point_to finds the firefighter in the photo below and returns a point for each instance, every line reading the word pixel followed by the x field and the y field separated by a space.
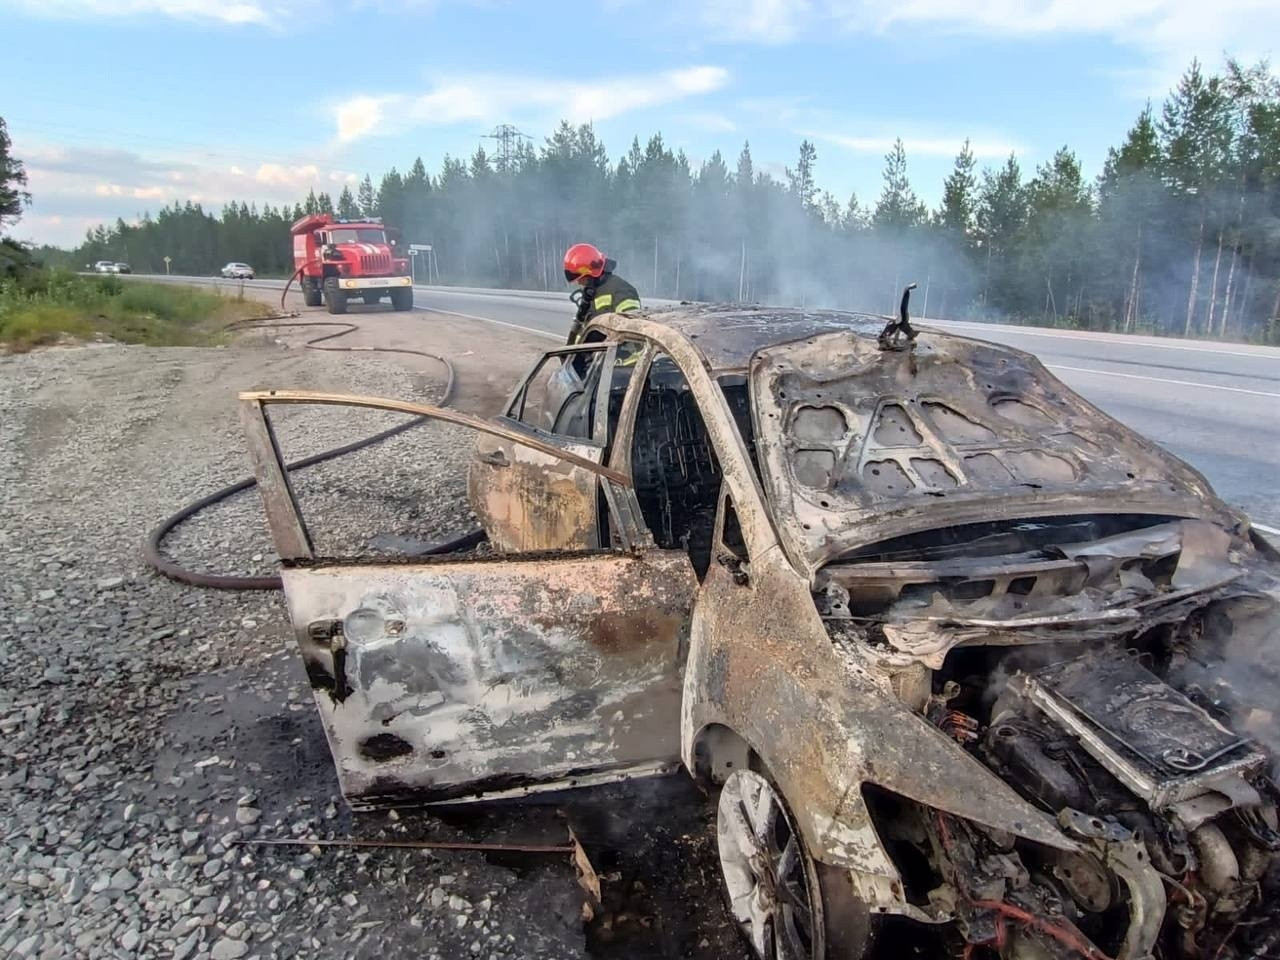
pixel 602 290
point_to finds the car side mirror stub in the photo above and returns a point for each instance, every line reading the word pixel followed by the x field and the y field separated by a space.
pixel 738 568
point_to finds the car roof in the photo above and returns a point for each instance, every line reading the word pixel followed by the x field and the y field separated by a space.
pixel 727 335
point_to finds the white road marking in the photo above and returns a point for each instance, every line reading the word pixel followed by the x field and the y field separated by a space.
pixel 1119 339
pixel 502 323
pixel 1265 529
pixel 1180 383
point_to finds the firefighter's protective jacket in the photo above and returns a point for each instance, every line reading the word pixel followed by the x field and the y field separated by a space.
pixel 613 295
pixel 609 294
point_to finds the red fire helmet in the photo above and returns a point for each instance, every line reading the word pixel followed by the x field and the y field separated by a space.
pixel 582 260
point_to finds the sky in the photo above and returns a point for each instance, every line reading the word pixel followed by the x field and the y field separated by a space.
pixel 120 107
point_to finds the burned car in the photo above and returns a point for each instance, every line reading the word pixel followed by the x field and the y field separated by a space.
pixel 947 643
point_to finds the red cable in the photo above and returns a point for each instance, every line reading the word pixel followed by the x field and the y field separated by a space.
pixel 1065 936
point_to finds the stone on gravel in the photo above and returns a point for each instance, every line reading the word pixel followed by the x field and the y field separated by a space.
pixel 228 949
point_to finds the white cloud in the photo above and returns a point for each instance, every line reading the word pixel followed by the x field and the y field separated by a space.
pixel 928 146
pixel 1168 29
pixel 223 11
pixel 1168 32
pixel 761 21
pixel 77 186
pixel 490 98
pixel 357 116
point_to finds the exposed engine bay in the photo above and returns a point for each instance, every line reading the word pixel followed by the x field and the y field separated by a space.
pixel 1115 671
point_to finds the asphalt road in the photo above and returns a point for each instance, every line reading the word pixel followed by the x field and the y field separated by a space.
pixel 1216 405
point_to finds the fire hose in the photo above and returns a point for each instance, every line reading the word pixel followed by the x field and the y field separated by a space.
pixel 153 549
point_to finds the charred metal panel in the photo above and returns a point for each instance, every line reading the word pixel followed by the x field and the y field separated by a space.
pixel 858 444
pixel 465 676
pixel 1087 591
pixel 824 723
pixel 530 501
pixel 1155 740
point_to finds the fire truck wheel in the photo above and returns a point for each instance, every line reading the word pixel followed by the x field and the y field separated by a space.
pixel 311 295
pixel 402 298
pixel 334 298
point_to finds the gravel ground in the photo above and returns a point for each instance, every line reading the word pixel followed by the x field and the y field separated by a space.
pixel 149 726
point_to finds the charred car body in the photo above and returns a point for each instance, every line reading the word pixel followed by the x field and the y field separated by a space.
pixel 953 645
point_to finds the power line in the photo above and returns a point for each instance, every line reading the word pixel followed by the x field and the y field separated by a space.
pixel 508 138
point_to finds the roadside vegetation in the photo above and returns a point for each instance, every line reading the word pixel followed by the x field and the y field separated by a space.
pixel 39 307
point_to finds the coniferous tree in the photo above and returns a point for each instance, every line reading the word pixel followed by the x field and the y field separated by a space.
pixel 347 208
pixel 898 206
pixel 366 198
pixel 13 181
pixel 959 196
pixel 801 180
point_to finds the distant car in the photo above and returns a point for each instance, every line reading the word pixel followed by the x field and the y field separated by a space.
pixel 238 271
pixel 104 266
pixel 122 268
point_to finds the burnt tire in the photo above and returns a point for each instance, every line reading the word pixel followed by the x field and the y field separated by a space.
pixel 335 298
pixel 402 298
pixel 311 294
pixel 785 903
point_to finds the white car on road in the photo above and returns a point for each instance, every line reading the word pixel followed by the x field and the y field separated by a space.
pixel 104 266
pixel 238 271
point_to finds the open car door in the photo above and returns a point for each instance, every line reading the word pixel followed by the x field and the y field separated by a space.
pixel 462 677
pixel 528 499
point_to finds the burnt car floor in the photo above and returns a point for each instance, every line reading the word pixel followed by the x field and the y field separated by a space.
pixel 940 635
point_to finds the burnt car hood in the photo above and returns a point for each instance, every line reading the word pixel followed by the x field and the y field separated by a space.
pixel 858 444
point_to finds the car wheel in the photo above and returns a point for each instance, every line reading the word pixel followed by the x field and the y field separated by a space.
pixel 311 293
pixel 788 906
pixel 335 298
pixel 401 298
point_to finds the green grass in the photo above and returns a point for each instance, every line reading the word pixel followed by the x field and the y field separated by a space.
pixel 45 306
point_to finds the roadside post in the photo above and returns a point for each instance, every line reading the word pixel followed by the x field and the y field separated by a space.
pixel 414 250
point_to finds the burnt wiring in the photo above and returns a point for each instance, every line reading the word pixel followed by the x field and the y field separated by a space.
pixel 153 549
pixel 1063 932
pixel 1060 932
pixel 960 726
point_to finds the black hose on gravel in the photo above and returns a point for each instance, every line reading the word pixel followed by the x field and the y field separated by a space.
pixel 152 551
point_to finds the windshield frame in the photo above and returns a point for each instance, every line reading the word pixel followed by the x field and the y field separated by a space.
pixel 378 235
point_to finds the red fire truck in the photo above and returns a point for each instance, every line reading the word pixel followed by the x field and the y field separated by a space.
pixel 340 259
